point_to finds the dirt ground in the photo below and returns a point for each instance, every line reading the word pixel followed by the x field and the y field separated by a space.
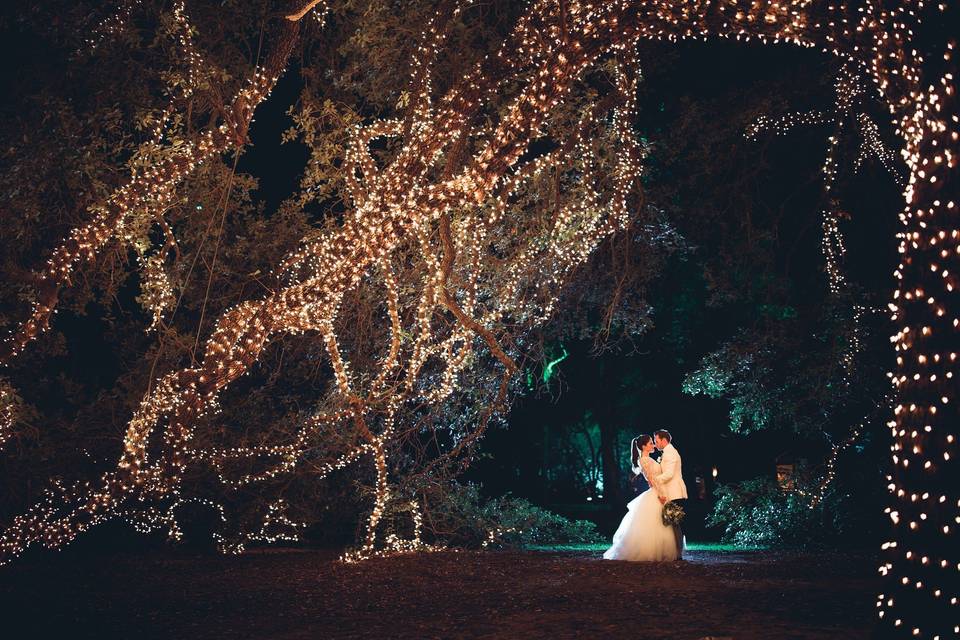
pixel 306 594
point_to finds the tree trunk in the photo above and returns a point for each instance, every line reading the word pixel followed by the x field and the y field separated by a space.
pixel 609 430
pixel 611 468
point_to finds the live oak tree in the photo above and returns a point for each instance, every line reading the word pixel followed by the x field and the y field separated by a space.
pixel 440 235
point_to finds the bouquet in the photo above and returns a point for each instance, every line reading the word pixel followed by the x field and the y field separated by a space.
pixel 672 514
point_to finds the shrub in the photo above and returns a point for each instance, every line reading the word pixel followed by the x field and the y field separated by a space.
pixel 758 512
pixel 465 518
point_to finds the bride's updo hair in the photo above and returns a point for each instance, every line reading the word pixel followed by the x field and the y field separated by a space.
pixel 636 448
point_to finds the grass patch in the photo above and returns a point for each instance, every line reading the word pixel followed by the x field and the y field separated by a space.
pixel 603 546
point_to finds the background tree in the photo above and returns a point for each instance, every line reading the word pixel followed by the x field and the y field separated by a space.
pixel 740 312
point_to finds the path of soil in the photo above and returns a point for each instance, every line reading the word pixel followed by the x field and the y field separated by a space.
pixel 296 594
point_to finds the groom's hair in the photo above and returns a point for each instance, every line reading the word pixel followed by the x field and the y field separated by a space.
pixel 662 433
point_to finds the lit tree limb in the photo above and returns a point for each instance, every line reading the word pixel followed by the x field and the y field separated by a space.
pixel 297 15
pixel 154 184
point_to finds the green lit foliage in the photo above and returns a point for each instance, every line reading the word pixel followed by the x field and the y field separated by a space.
pixel 735 375
pixel 466 518
pixel 758 513
pixel 549 368
pixel 796 375
pixel 570 452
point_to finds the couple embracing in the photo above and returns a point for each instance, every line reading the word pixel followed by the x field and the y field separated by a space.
pixel 646 532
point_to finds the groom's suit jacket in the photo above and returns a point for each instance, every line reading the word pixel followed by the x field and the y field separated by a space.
pixel 671 477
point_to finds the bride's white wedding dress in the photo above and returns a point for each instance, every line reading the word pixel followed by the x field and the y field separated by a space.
pixel 642 534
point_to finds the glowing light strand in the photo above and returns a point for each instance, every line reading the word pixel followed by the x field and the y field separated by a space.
pixel 146 187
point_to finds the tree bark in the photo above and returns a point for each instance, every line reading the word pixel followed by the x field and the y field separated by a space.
pixel 609 456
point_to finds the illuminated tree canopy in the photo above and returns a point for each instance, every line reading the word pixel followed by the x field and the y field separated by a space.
pixel 455 212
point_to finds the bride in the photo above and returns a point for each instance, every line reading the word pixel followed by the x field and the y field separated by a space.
pixel 642 534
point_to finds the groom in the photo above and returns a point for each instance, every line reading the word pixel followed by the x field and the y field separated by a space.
pixel 671 476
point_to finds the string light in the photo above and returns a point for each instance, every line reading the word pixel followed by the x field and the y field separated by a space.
pixel 9 402
pixel 150 188
pixel 112 25
pixel 817 495
pixel 495 534
pixel 848 94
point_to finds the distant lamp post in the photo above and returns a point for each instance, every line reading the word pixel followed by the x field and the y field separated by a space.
pixel 714 473
pixel 785 477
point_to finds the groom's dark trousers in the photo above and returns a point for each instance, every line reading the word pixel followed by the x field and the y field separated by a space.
pixel 677 531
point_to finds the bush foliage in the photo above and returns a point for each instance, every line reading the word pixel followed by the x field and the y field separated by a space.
pixel 470 520
pixel 758 513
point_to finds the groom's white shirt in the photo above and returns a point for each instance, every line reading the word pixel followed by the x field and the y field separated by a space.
pixel 671 476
